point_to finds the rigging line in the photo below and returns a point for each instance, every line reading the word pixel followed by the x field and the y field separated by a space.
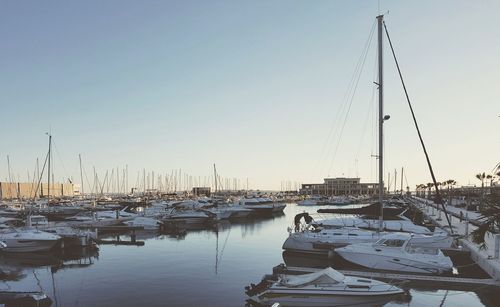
pixel 370 110
pixel 351 100
pixel 335 124
pixel 350 96
pixel 60 159
pixel 91 187
pixel 439 199
pixel 365 122
pixel 41 175
pixel 406 179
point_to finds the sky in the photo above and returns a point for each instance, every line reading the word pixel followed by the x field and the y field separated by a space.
pixel 260 88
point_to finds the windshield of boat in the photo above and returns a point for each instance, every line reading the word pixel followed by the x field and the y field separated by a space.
pixel 390 242
pixel 412 249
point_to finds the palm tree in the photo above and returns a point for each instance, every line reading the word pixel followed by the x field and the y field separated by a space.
pixel 490 216
pixel 450 183
pixel 481 177
pixel 429 186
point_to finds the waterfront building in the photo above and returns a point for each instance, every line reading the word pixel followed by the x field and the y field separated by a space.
pixel 20 190
pixel 339 186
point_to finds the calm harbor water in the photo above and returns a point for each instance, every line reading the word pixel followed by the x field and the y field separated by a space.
pixel 201 268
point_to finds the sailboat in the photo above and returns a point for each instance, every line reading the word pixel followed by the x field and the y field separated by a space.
pixel 323 237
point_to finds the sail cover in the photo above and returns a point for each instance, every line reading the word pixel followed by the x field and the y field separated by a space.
pixel 326 276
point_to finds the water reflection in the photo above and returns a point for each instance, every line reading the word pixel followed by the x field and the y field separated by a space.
pixel 20 274
pixel 208 266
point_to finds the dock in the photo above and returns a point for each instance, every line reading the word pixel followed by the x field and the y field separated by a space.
pixel 443 281
pixel 488 259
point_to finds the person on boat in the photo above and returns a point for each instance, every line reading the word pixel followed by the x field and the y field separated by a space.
pixel 307 218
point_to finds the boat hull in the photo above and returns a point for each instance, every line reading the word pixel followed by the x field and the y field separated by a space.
pixel 392 263
pixel 28 246
pixel 324 298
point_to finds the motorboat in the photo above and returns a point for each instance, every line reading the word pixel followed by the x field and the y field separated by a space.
pixel 189 217
pixel 70 236
pixel 339 201
pixel 27 239
pixel 396 252
pixel 93 219
pixel 220 213
pixel 321 241
pixel 313 201
pixel 238 212
pixel 261 208
pixel 327 287
pixel 146 222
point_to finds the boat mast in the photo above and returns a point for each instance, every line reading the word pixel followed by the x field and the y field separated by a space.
pixel 81 173
pixel 215 178
pixel 48 170
pixel 380 20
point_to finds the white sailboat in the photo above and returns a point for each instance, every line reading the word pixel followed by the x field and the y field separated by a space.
pixel 332 233
pixel 323 241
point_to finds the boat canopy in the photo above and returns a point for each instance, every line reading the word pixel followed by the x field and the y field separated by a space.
pixel 326 276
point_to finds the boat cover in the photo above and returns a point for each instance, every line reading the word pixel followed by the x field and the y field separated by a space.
pixel 326 276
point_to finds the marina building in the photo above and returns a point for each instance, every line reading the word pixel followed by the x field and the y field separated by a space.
pixel 339 186
pixel 199 191
pixel 20 190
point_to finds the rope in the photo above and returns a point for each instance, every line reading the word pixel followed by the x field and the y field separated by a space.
pixel 361 67
pixel 336 120
pixel 438 194
pixel 60 159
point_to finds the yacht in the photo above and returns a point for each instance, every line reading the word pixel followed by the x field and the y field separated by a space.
pixel 27 239
pixel 313 201
pixel 394 223
pixel 189 217
pixel 397 252
pixel 321 241
pixel 327 287
pixel 266 207
pixel 146 222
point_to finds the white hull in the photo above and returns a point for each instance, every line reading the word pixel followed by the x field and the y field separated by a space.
pixel 24 246
pixel 403 224
pixel 326 240
pixel 392 263
pixel 325 289
pixel 397 252
pixel 319 299
pixel 28 240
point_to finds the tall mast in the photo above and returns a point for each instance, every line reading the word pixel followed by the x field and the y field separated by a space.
pixel 215 178
pixel 380 20
pixel 81 173
pixel 402 172
pixel 10 178
pixel 48 170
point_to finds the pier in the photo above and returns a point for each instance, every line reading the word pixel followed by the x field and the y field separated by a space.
pixel 488 259
pixel 428 279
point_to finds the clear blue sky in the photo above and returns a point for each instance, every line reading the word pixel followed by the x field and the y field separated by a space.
pixel 253 86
